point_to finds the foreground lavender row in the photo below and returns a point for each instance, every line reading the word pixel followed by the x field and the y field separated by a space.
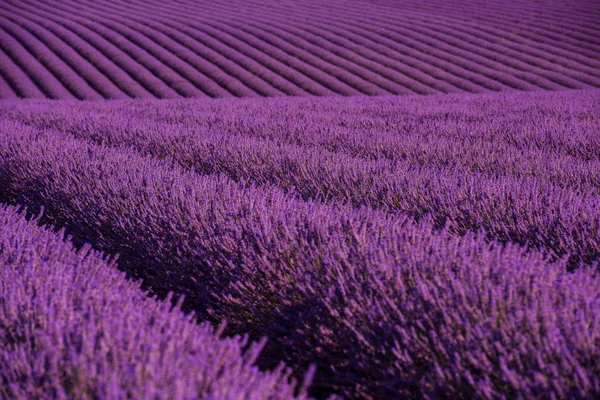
pixel 386 306
pixel 166 49
pixel 71 326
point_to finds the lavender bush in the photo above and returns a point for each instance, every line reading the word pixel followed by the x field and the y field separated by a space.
pixel 72 326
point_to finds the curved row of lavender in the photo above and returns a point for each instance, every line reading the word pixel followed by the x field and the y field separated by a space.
pixel 72 326
pixel 113 49
pixel 445 146
pixel 410 246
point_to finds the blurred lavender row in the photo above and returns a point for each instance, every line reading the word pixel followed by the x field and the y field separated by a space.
pixel 166 49
pixel 72 327
pixel 385 305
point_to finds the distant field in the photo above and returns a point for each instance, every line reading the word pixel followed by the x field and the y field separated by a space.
pixel 167 49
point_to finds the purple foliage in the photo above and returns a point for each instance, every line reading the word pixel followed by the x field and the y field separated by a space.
pixel 441 246
pixel 297 248
pixel 169 48
pixel 72 326
pixel 538 189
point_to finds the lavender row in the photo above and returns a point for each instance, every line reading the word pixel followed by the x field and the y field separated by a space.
pixel 156 58
pixel 276 16
pixel 230 82
pixel 107 78
pixel 71 55
pixel 272 71
pixel 517 134
pixel 405 71
pixel 405 79
pixel 332 77
pixel 349 14
pixel 558 26
pixel 565 26
pixel 385 307
pixel 361 83
pixel 520 202
pixel 291 61
pixel 175 77
pixel 522 82
pixel 563 123
pixel 556 36
pixel 17 80
pixel 531 54
pixel 554 68
pixel 6 91
pixel 369 77
pixel 56 66
pixel 266 24
pixel 242 156
pixel 174 49
pixel 198 65
pixel 322 65
pixel 115 64
pixel 72 326
pixel 196 40
pixel 31 67
pixel 143 67
pixel 314 62
pixel 527 57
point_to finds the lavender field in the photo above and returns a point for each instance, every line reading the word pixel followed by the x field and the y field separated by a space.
pixel 299 200
pixel 116 49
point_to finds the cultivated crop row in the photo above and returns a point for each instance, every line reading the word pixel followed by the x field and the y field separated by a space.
pixel 72 326
pixel 556 24
pixel 377 21
pixel 110 49
pixel 77 86
pixel 463 48
pixel 95 79
pixel 303 23
pixel 543 199
pixel 320 250
pixel 559 25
